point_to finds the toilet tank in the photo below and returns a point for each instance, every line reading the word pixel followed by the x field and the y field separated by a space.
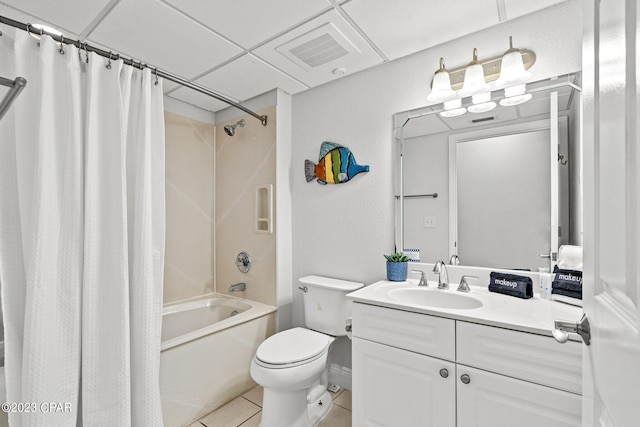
pixel 326 308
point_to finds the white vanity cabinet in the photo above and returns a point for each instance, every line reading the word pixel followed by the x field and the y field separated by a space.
pixel 412 369
pixel 403 369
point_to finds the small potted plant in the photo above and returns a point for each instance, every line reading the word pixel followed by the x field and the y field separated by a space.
pixel 397 267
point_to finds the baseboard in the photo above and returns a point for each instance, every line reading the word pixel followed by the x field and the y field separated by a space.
pixel 340 375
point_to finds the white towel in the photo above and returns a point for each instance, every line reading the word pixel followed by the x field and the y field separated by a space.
pixel 570 257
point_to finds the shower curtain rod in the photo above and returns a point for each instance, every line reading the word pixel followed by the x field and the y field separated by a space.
pixel 137 64
pixel 15 87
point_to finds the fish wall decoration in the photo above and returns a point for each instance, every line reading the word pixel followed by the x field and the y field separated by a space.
pixel 336 165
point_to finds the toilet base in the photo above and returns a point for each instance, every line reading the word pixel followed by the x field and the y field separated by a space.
pixel 319 408
pixel 292 410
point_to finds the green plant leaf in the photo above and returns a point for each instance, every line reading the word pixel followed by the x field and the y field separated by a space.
pixel 397 257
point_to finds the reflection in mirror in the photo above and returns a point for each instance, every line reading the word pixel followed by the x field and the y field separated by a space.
pixel 507 181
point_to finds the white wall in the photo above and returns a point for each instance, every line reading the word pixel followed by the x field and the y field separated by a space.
pixel 343 230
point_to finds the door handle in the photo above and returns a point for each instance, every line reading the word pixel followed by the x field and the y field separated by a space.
pixel 563 327
pixel 553 256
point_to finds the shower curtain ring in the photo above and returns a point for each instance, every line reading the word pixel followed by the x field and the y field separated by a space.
pixel 61 51
pixel 156 82
pixel 108 66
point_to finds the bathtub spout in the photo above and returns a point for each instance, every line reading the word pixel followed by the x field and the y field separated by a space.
pixel 238 287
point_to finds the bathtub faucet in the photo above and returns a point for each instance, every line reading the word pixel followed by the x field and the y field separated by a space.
pixel 238 287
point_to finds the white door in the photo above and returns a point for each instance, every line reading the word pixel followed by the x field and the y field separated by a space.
pixel 399 388
pixel 486 399
pixel 612 213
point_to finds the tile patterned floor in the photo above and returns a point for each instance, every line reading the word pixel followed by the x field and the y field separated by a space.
pixel 246 410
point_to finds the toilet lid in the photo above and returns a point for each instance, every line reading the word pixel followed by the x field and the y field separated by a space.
pixel 291 346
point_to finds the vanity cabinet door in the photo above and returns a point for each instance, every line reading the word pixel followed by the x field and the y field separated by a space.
pixel 486 399
pixel 393 387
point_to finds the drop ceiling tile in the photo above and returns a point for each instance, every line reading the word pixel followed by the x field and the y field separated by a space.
pixel 516 8
pixel 70 15
pixel 297 53
pixel 168 86
pixel 402 27
pixel 200 100
pixel 155 33
pixel 247 77
pixel 249 22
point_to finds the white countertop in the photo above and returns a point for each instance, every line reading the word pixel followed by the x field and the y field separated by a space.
pixel 534 315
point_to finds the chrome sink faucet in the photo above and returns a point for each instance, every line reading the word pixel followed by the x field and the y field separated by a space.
pixel 238 287
pixel 423 277
pixel 464 284
pixel 443 278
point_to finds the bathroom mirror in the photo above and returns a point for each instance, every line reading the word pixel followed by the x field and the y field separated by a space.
pixel 490 187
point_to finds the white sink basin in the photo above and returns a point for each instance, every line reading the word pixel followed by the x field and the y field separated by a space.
pixel 439 298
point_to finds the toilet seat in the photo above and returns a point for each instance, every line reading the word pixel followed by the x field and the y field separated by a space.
pixel 293 347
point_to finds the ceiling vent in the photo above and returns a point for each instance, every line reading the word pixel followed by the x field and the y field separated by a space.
pixel 321 46
pixel 319 51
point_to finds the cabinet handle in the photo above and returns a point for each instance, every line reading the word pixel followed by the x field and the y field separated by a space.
pixel 466 379
pixel 444 373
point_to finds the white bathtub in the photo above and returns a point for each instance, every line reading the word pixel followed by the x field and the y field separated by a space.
pixel 207 347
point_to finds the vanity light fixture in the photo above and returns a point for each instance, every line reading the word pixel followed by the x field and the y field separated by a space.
pixel 478 79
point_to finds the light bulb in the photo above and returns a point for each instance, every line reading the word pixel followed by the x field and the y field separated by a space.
pixel 453 108
pixel 515 95
pixel 482 103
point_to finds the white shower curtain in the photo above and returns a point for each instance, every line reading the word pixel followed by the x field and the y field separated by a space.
pixel 81 238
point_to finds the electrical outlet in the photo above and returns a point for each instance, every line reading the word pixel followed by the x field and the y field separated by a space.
pixel 429 222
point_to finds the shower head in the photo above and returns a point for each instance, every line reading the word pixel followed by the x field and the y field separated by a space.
pixel 231 129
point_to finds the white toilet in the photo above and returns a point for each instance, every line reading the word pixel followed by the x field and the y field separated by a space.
pixel 292 365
